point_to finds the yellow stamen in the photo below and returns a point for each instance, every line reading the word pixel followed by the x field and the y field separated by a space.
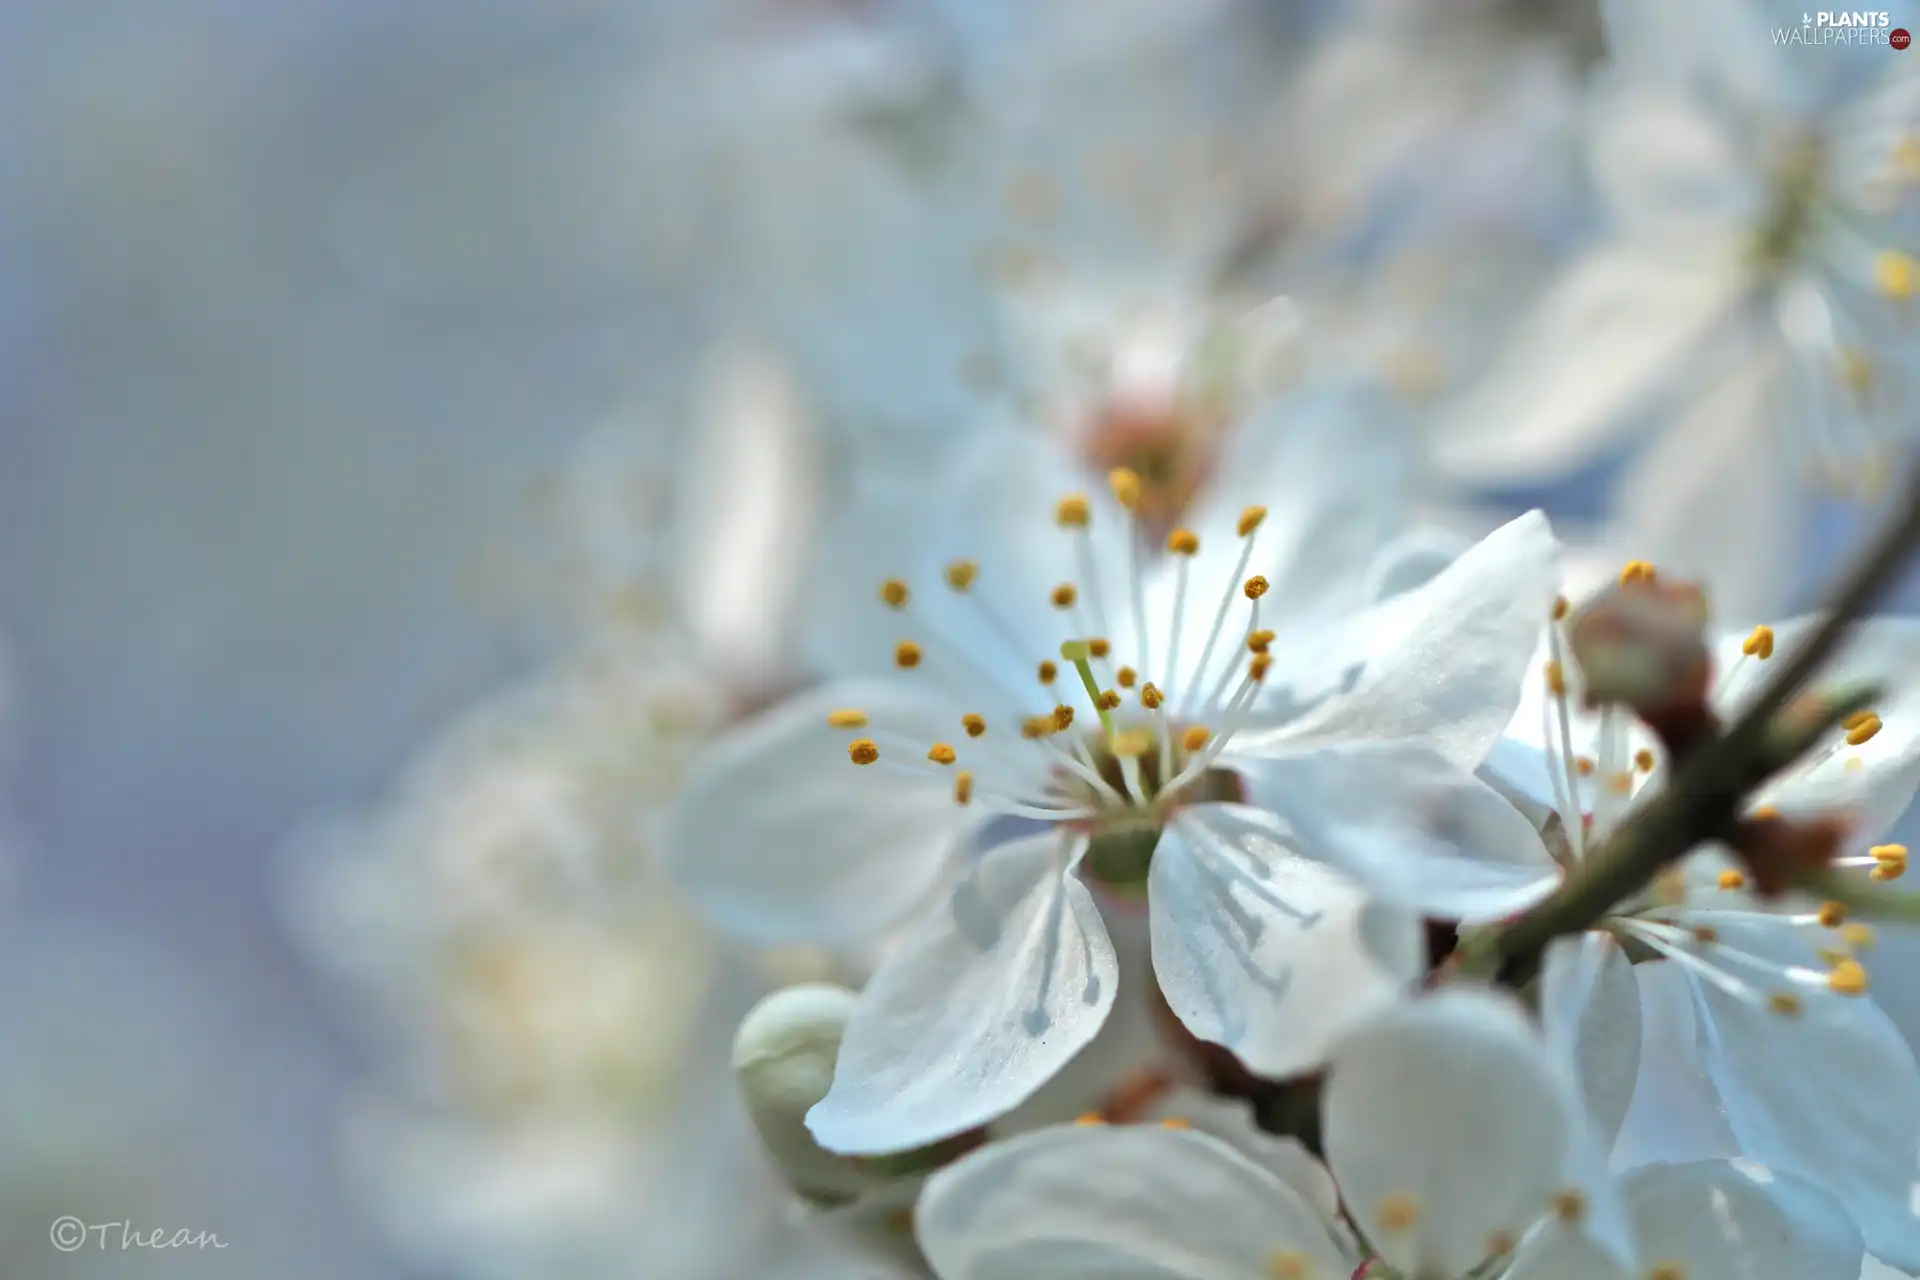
pixel 1832 914
pixel 1620 784
pixel 1036 726
pixel 1176 1122
pixel 1759 644
pixel 1126 486
pixel 1859 936
pixel 1560 607
pixel 1289 1264
pixel 1250 518
pixel 1048 671
pixel 1784 1003
pixel 1862 733
pixel 1107 700
pixel 1098 647
pixel 863 751
pixel 1667 1271
pixel 1259 641
pixel 1637 571
pixel 1257 669
pixel 847 718
pixel 1556 679
pixel 1849 978
pixel 906 655
pixel 1255 587
pixel 1499 1243
pixel 1398 1211
pixel 1088 1119
pixel 1705 933
pixel 1125 677
pixel 1150 696
pixel 1585 766
pixel 1062 718
pixel 961 574
pixel 1895 274
pixel 893 592
pixel 1764 813
pixel 1073 511
pixel 1892 860
pixel 941 753
pixel 1643 760
pixel 1731 879
pixel 1569 1206
pixel 1183 542
pixel 962 787
pixel 1064 595
pixel 974 724
pixel 1196 737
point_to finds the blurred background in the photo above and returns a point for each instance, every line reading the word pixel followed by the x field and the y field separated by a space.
pixel 417 422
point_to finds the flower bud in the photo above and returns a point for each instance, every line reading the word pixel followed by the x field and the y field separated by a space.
pixel 783 1059
pixel 1644 645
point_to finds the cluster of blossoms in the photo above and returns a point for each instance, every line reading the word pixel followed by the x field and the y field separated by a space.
pixel 1135 810
pixel 1165 785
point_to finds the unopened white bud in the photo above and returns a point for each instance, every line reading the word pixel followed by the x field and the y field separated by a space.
pixel 783 1058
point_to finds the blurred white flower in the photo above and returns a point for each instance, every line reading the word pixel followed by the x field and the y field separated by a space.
pixel 780 839
pixel 1753 299
pixel 533 1000
pixel 689 524
pixel 1450 1133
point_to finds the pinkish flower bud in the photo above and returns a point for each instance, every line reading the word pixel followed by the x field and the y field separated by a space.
pixel 1643 645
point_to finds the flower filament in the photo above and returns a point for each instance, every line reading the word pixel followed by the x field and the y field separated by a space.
pixel 1109 752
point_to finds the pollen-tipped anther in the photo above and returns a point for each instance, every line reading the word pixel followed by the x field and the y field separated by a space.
pixel 961 574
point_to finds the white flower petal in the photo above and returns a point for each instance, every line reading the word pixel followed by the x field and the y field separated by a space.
pixel 985 998
pixel 1442 663
pixel 1134 1202
pixel 1524 774
pixel 1448 1118
pixel 1676 1114
pixel 1333 468
pixel 996 505
pixel 1412 560
pixel 1590 1011
pixel 780 838
pixel 1231 1121
pixel 847 630
pixel 1249 937
pixel 1412 828
pixel 746 513
pixel 1831 1094
pixel 1634 312
pixel 1875 781
pixel 1719 1223
pixel 1713 499
pixel 1659 155
pixel 1558 1252
pixel 1131 1041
